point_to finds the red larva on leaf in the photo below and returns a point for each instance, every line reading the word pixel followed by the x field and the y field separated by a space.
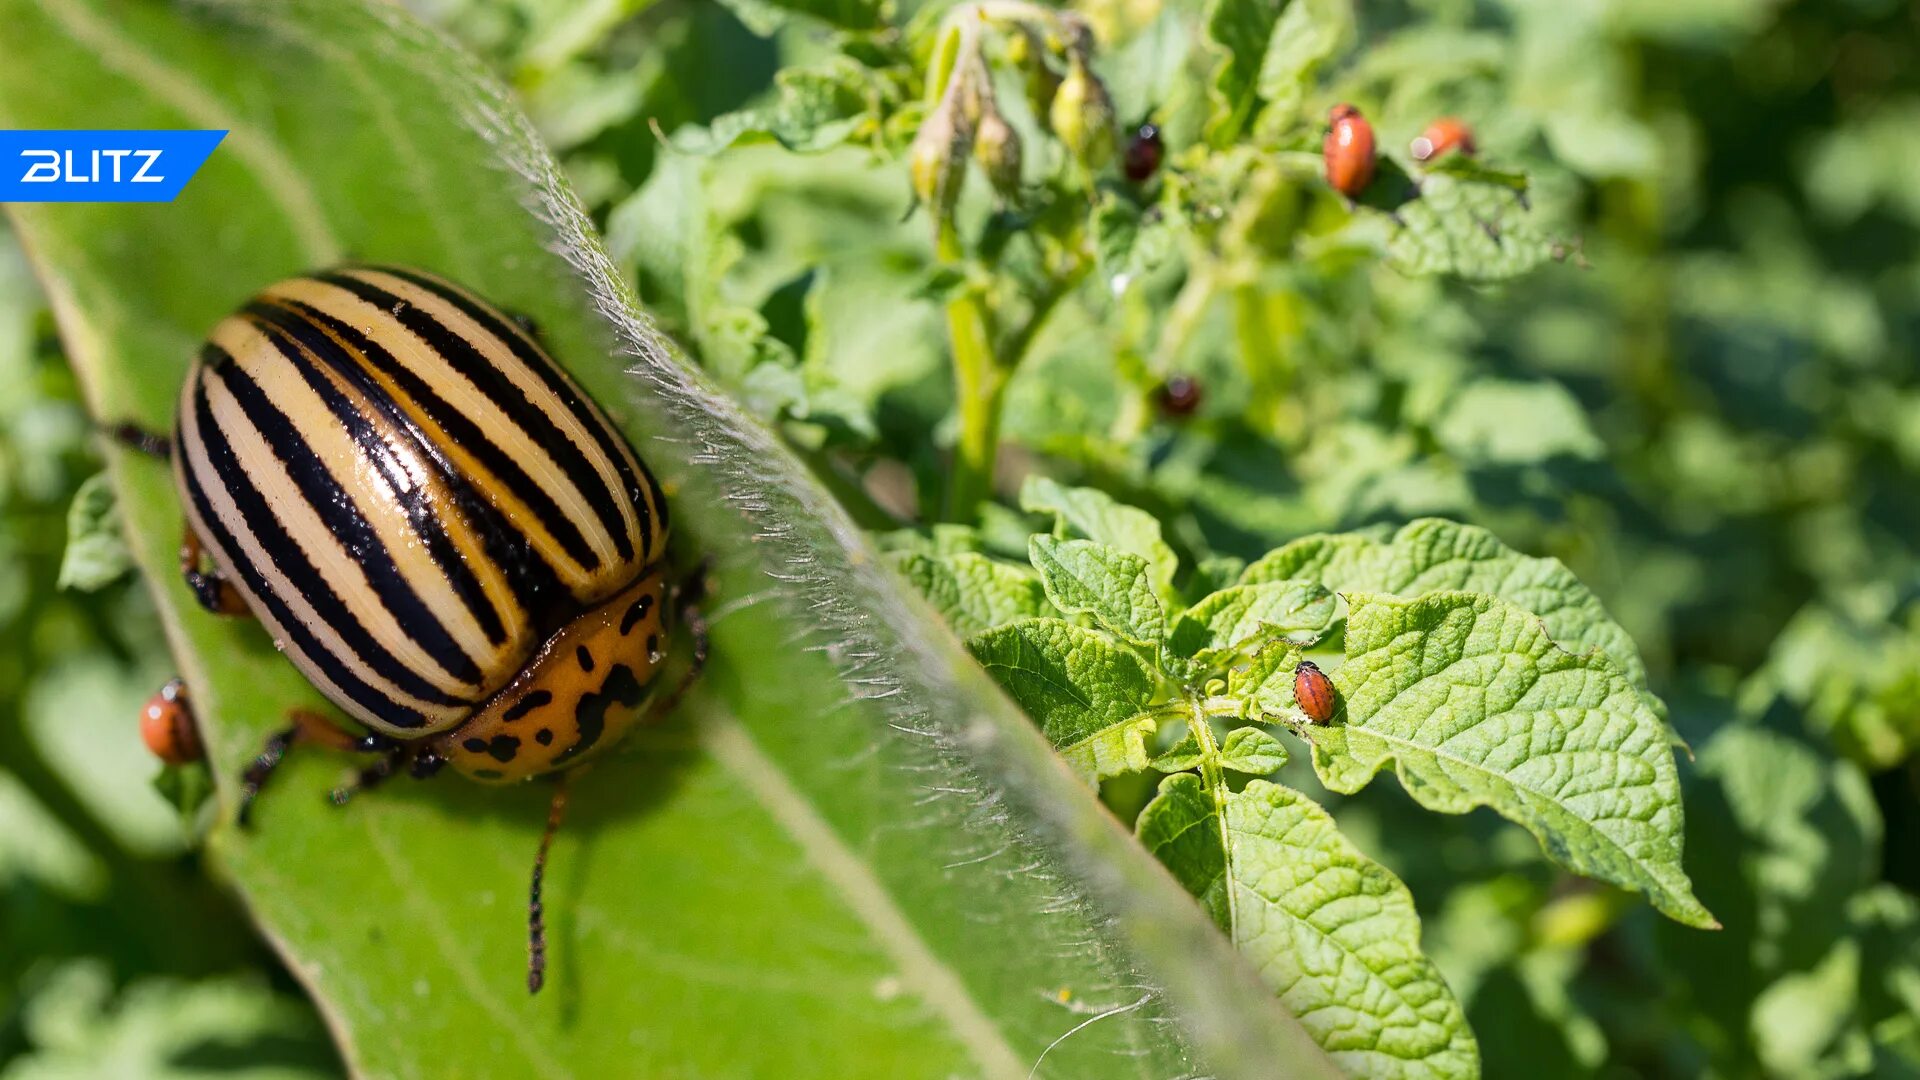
pixel 1444 134
pixel 167 727
pixel 1348 151
pixel 1178 397
pixel 1144 150
pixel 1313 691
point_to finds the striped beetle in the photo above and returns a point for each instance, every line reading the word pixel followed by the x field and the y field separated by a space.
pixel 445 535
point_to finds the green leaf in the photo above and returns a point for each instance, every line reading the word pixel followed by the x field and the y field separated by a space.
pixel 1082 576
pixel 1096 516
pixel 1125 242
pixel 1182 829
pixel 1333 932
pixel 1431 554
pixel 78 1025
pixel 96 555
pixel 1470 229
pixel 186 788
pixel 1265 683
pixel 766 17
pixel 901 940
pixel 1509 422
pixel 1239 32
pixel 1233 619
pixel 1183 755
pixel 1085 690
pixel 1306 35
pixel 1252 751
pixel 813 109
pixel 973 592
pixel 1477 706
pixel 1336 935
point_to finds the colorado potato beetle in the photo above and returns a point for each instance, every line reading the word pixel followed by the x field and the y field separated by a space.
pixel 447 537
pixel 1444 134
pixel 1313 691
pixel 167 727
pixel 1347 151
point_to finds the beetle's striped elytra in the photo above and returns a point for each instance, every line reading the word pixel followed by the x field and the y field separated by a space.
pixel 406 490
pixel 443 532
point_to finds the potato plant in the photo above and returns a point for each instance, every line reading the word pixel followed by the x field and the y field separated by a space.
pixel 1049 390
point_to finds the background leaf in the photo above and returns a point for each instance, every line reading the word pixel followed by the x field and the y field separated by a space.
pixel 402 913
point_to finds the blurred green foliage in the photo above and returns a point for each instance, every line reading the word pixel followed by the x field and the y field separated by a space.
pixel 1708 407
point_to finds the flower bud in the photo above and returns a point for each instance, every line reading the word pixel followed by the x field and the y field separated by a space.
pixel 937 161
pixel 996 146
pixel 1026 50
pixel 1082 115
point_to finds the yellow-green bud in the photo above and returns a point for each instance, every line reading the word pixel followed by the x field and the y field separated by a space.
pixel 996 146
pixel 938 159
pixel 1025 50
pixel 1083 117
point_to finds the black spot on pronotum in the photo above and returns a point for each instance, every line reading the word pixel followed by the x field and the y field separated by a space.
pixel 620 688
pixel 635 613
pixel 477 746
pixel 503 748
pixel 653 648
pixel 526 705
pixel 585 656
pixel 544 736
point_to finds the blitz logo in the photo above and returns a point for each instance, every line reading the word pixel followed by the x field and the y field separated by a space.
pixel 54 167
pixel 144 165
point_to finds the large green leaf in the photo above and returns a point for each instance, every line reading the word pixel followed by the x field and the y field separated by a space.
pixel 1479 707
pixel 1432 554
pixel 1333 932
pixel 848 844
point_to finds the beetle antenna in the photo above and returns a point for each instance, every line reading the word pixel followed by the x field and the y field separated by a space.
pixel 536 913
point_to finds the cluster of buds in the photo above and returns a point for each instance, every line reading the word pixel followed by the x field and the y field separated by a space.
pixel 966 121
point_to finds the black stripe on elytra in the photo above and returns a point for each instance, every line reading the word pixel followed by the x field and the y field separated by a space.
pixel 291 559
pixel 536 585
pixel 291 562
pixel 299 342
pixel 467 359
pixel 642 490
pixel 337 511
pixel 464 432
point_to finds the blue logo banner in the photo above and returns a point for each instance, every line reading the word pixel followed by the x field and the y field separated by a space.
pixel 100 166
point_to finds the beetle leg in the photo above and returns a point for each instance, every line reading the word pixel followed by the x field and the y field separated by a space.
pixel 140 440
pixel 686 597
pixel 304 726
pixel 209 586
pixel 373 775
pixel 261 769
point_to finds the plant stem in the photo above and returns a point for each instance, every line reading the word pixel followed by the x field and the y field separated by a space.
pixel 1214 778
pixel 980 383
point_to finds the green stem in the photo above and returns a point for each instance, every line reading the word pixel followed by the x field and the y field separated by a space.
pixel 1214 778
pixel 980 383
pixel 1266 326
